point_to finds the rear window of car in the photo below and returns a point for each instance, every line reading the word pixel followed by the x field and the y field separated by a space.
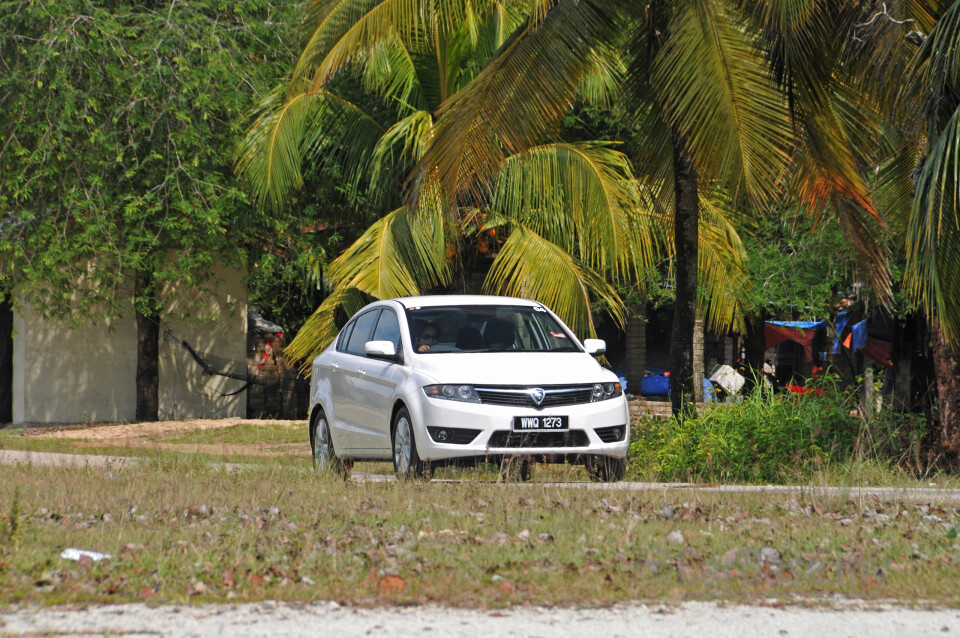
pixel 361 331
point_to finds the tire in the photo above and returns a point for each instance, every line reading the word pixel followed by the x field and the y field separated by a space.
pixel 406 460
pixel 515 468
pixel 325 457
pixel 606 469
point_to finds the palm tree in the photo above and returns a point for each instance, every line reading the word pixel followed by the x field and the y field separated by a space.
pixel 915 53
pixel 709 118
pixel 565 213
pixel 734 101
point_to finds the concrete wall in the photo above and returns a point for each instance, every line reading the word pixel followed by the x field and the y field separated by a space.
pixel 77 375
pixel 221 337
pixel 73 375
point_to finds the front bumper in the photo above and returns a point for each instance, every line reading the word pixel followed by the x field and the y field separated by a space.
pixel 495 436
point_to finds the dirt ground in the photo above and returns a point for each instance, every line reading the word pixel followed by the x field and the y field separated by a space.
pixel 152 435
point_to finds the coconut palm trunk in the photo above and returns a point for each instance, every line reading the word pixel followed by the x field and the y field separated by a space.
pixel 947 366
pixel 686 220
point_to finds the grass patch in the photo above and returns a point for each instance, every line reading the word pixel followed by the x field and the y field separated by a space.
pixel 182 531
pixel 244 433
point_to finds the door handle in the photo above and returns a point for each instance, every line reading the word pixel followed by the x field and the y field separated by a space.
pixel 335 365
pixel 362 372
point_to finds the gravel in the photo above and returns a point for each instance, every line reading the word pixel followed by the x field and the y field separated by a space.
pixel 694 619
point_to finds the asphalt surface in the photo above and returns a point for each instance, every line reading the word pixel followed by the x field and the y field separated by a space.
pixel 693 620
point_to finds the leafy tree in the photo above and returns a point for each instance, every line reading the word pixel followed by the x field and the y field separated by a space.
pixel 119 123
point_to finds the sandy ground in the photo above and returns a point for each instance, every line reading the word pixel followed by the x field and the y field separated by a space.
pixel 123 431
pixel 694 620
pixel 151 435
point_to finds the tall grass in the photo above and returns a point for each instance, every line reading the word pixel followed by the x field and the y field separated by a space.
pixel 770 437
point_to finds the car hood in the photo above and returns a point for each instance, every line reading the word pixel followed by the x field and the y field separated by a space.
pixel 512 368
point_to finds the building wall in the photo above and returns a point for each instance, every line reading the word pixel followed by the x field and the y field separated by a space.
pixel 73 375
pixel 215 325
pixel 63 374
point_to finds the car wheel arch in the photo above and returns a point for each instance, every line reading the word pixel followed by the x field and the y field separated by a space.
pixel 397 406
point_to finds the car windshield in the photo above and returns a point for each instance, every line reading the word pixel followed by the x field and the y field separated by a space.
pixel 469 328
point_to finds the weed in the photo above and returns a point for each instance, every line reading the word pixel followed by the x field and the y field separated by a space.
pixel 776 438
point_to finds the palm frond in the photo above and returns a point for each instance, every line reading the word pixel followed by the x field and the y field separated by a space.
pixel 521 95
pixel 323 325
pixel 718 95
pixel 398 151
pixel 583 198
pixel 334 44
pixel 530 266
pixel 723 278
pixel 828 178
pixel 933 234
pixel 936 71
pixel 270 156
pixel 397 256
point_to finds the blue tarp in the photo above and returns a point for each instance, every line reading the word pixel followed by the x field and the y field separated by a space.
pixel 858 335
pixel 800 325
pixel 659 386
pixel 840 324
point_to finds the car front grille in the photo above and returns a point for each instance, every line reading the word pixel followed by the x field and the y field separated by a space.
pixel 519 396
pixel 508 439
pixel 611 434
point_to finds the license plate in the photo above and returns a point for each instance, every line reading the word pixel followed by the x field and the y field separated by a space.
pixel 534 423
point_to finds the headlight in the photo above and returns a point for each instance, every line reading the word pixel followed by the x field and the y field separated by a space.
pixel 603 391
pixel 453 392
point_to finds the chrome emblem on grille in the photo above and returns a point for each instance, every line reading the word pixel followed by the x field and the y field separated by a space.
pixel 537 395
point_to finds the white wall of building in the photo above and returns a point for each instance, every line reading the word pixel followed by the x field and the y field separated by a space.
pixel 63 374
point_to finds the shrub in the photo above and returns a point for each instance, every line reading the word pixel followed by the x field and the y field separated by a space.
pixel 760 439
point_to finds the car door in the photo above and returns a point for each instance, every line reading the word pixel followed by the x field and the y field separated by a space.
pixel 376 387
pixel 343 381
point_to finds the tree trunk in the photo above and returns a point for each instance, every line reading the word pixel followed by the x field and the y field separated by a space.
pixel 947 366
pixel 636 350
pixel 148 351
pixel 6 362
pixel 685 232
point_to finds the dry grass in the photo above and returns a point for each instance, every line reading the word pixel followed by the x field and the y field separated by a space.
pixel 180 530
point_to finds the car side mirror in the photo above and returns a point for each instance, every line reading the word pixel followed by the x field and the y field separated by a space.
pixel 381 350
pixel 595 347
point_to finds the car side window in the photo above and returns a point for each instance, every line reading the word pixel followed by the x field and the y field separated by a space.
pixel 361 332
pixel 388 329
pixel 345 336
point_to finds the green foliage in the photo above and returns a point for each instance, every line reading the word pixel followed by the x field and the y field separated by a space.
pixel 119 125
pixel 762 439
pixel 796 265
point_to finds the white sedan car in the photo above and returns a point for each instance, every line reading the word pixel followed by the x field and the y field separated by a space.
pixel 430 381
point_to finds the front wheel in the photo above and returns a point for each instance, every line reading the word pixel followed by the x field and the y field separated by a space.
pixel 406 460
pixel 325 458
pixel 608 469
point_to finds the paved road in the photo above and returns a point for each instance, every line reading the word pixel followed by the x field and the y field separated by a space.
pixel 926 495
pixel 694 620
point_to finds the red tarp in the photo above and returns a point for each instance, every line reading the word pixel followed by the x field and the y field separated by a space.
pixel 878 350
pixel 778 334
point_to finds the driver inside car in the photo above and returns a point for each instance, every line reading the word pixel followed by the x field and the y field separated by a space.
pixel 428 337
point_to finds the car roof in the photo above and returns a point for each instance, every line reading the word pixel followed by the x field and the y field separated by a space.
pixel 463 300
